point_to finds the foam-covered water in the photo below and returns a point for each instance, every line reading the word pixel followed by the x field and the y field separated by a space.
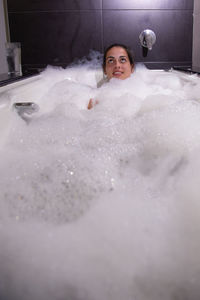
pixel 104 203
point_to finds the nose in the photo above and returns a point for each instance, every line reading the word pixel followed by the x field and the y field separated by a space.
pixel 117 64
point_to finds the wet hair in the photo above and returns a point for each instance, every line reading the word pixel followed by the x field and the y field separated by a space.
pixel 128 51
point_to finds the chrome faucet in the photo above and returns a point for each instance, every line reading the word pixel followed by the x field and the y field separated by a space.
pixel 147 38
pixel 26 109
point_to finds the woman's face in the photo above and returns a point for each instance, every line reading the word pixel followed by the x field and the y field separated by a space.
pixel 117 64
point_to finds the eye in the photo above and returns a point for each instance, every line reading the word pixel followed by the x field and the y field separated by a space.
pixel 123 60
pixel 110 60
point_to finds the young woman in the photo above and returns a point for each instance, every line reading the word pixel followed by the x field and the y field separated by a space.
pixel 118 63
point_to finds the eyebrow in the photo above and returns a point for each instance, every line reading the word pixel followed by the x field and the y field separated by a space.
pixel 119 56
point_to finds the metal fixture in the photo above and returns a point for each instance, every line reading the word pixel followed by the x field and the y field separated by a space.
pixel 147 38
pixel 26 109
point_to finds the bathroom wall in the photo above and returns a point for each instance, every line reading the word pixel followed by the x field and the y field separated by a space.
pixel 3 63
pixel 57 32
pixel 196 35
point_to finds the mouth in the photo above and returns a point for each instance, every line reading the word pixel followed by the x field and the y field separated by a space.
pixel 117 73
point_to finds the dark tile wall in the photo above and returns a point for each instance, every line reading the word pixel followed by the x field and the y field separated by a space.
pixel 52 5
pixel 173 45
pixel 56 37
pixel 147 4
pixel 57 32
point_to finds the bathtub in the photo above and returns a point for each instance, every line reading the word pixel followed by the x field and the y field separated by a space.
pixel 103 203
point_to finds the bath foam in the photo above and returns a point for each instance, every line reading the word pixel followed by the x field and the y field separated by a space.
pixel 103 203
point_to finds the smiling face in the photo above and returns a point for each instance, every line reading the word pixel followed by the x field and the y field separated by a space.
pixel 117 64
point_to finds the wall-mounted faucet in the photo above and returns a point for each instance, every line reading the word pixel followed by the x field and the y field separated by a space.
pixel 147 38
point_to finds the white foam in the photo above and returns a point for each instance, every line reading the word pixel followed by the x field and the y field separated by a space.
pixel 103 203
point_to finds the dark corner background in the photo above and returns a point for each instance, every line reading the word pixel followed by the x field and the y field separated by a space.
pixel 56 32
